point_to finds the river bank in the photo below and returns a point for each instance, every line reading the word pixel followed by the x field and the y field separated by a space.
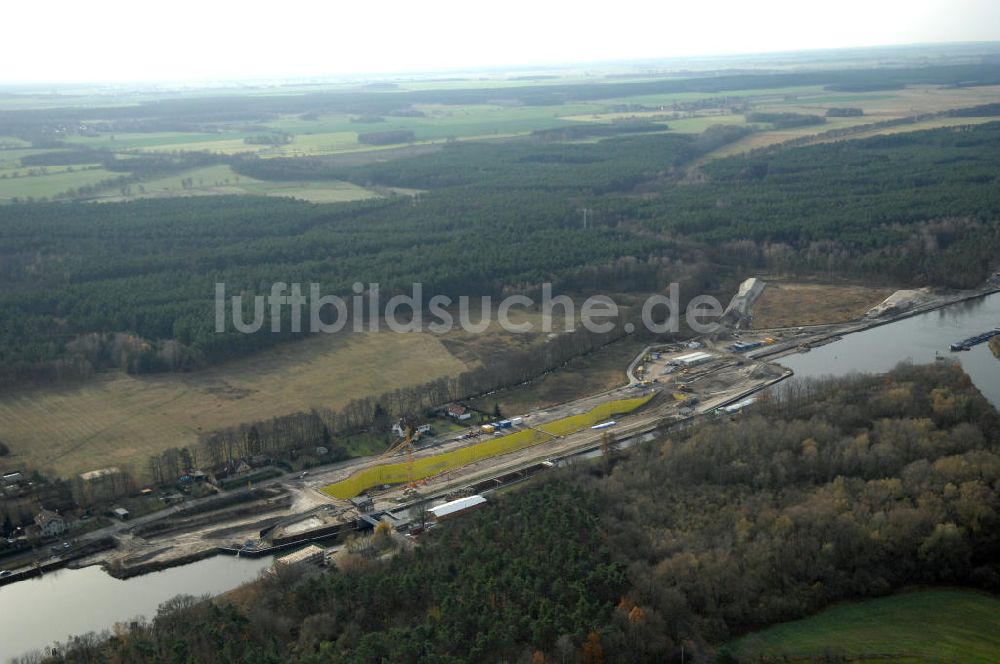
pixel 920 338
pixel 835 332
pixel 43 610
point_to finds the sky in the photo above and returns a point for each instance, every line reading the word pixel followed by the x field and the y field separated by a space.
pixel 124 40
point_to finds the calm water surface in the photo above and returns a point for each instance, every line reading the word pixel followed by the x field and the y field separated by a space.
pixel 918 339
pixel 36 613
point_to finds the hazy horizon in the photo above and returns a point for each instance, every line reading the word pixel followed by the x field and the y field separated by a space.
pixel 108 41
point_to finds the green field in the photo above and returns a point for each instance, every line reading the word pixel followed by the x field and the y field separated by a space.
pixel 950 625
pixel 17 181
pixel 13 142
pixel 52 184
pixel 336 133
pixel 165 140
pixel 118 419
pixel 11 157
pixel 221 179
pixel 699 124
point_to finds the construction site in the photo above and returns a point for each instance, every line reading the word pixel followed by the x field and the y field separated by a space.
pixel 408 487
pixel 669 385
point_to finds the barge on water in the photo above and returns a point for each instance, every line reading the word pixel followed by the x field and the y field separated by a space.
pixel 976 340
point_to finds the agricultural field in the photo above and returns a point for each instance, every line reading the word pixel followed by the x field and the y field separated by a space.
pixel 8 142
pixel 21 182
pixel 936 123
pixel 789 303
pixel 222 180
pixel 314 192
pixel 57 181
pixel 877 106
pixel 162 140
pixel 120 420
pixel 439 121
pixel 810 100
pixel 768 137
pixel 433 124
pixel 330 134
pixel 948 625
pixel 894 103
pixel 10 158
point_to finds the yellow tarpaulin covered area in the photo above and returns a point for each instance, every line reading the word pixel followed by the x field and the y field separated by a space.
pixel 424 467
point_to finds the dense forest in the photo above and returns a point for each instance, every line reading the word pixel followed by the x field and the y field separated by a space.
pixel 148 268
pixel 827 490
pixel 916 209
pixel 913 208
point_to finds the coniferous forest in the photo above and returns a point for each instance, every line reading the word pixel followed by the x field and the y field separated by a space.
pixel 912 209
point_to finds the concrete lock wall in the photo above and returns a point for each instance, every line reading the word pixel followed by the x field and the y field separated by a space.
pixel 424 467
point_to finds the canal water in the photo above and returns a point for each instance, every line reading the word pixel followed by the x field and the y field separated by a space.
pixel 919 339
pixel 36 613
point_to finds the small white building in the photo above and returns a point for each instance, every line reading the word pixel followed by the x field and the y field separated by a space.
pixel 456 507
pixel 459 412
pixel 693 359
pixel 739 405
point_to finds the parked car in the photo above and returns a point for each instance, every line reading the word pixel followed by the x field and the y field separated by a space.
pixel 5 572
